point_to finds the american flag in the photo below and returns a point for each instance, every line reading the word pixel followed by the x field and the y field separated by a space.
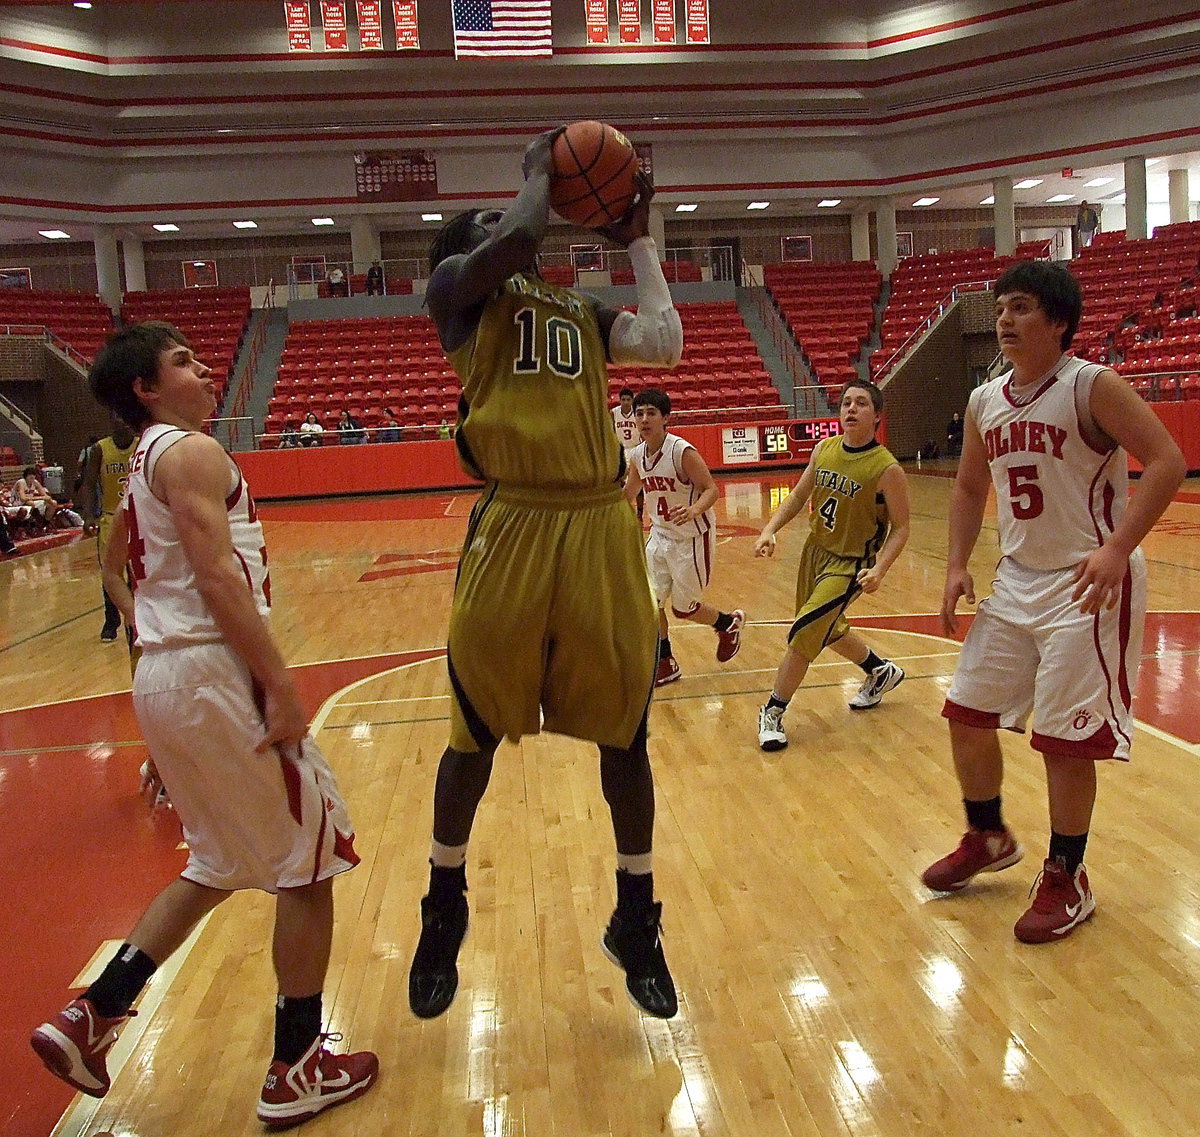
pixel 501 27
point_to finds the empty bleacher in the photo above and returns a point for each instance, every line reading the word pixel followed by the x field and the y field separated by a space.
pixel 721 368
pixel 79 319
pixel 829 308
pixel 369 364
pixel 213 319
pixel 1140 311
pixel 364 365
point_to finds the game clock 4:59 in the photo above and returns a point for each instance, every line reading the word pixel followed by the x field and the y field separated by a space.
pixel 794 441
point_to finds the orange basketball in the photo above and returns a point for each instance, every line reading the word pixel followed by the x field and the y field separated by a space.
pixel 594 168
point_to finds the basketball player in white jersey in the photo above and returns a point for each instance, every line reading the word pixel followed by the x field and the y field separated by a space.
pixel 225 727
pixel 680 494
pixel 625 424
pixel 1061 633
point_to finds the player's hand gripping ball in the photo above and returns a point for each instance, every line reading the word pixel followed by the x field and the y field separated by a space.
pixel 595 169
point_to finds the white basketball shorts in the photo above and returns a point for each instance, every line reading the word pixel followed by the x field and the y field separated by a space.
pixel 272 820
pixel 1030 648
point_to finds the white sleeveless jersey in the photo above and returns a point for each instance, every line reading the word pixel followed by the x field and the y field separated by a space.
pixel 1058 495
pixel 667 486
pixel 626 427
pixel 168 608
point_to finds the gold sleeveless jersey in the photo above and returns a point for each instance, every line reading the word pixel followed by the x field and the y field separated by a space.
pixel 114 469
pixel 535 391
pixel 849 516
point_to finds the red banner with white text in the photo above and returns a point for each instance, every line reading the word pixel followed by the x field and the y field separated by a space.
pixel 405 12
pixel 597 20
pixel 664 21
pixel 333 22
pixel 370 25
pixel 629 21
pixel 697 21
pixel 299 25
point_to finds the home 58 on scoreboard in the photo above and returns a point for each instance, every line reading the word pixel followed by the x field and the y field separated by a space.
pixel 790 442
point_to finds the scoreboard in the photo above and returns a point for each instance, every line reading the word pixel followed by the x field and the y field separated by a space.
pixel 790 442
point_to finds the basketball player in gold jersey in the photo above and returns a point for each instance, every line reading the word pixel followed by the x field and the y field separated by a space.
pixel 552 623
pixel 858 526
pixel 104 476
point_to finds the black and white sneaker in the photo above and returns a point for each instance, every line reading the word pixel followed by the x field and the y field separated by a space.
pixel 633 943
pixel 886 677
pixel 433 976
pixel 771 735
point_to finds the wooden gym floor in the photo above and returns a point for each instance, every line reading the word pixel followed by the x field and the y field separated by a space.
pixel 823 991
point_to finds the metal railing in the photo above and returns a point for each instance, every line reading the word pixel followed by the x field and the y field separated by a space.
pixel 716 260
pixel 938 310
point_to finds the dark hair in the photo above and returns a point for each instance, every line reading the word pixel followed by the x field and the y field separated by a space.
pixel 870 388
pixel 626 391
pixel 29 470
pixel 653 397
pixel 132 353
pixel 1057 291
pixel 454 237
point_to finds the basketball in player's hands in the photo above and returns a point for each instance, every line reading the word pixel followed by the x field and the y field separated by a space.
pixel 595 168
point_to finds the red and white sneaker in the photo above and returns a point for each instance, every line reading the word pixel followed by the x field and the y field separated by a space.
pixel 668 671
pixel 1062 903
pixel 292 1094
pixel 74 1044
pixel 730 639
pixel 977 852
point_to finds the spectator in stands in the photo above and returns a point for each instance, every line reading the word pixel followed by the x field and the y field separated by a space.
pixel 350 431
pixel 390 430
pixel 290 436
pixel 311 431
pixel 336 282
pixel 28 490
pixel 954 435
pixel 1087 221
pixel 375 282
pixel 445 430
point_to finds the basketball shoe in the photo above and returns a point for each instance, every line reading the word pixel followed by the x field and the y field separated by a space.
pixel 668 671
pixel 977 852
pixel 730 639
pixel 292 1094
pixel 771 735
pixel 633 943
pixel 74 1044
pixel 884 678
pixel 433 976
pixel 1063 902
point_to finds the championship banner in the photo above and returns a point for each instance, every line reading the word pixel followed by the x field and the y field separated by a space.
pixel 299 27
pixel 405 13
pixel 664 21
pixel 333 22
pixel 395 175
pixel 629 21
pixel 697 21
pixel 597 20
pixel 370 25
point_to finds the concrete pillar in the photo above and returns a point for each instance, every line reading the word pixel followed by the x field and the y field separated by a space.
pixel 364 243
pixel 1135 198
pixel 885 236
pixel 1004 216
pixel 108 267
pixel 1180 196
pixel 134 254
pixel 860 235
